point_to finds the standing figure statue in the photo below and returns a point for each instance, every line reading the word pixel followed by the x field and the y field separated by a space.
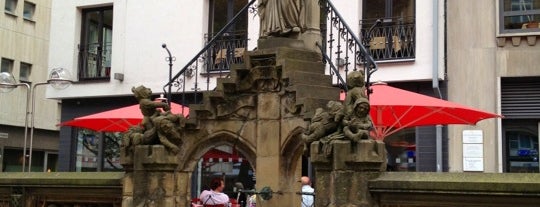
pixel 282 18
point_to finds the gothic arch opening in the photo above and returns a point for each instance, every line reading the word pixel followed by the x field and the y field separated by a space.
pixel 224 155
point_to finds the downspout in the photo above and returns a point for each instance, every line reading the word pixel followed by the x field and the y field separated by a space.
pixel 435 82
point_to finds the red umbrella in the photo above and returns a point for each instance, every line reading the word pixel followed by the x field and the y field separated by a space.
pixel 393 109
pixel 117 120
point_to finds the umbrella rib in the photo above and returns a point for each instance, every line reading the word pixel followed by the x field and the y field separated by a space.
pixel 458 118
pixel 391 130
pixel 116 123
pixel 398 119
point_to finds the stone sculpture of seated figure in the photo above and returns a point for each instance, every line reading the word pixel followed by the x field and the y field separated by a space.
pixel 358 124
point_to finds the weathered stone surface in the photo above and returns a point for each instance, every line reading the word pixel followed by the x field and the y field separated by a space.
pixel 269 138
pixel 268 106
pixel 247 111
pixel 342 178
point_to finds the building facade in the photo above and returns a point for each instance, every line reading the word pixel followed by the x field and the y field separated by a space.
pixel 492 63
pixel 24 49
pixel 111 47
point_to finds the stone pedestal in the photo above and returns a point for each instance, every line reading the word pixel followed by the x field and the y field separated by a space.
pixel 342 174
pixel 150 178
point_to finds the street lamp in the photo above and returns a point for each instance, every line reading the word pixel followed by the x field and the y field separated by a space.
pixel 7 84
pixel 59 78
pixel 170 59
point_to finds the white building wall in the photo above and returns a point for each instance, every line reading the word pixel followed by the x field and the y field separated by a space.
pixel 139 30
pixel 141 27
pixel 422 67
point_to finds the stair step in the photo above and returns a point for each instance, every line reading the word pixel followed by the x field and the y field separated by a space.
pixel 237 70
pixel 302 65
pixel 308 78
pixel 275 56
pixel 214 96
pixel 315 91
pixel 227 85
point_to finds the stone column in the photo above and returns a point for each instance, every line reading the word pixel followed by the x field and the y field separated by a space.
pixel 343 169
pixel 151 179
pixel 313 24
pixel 268 146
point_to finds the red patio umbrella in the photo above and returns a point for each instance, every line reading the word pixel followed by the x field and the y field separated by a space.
pixel 117 120
pixel 393 109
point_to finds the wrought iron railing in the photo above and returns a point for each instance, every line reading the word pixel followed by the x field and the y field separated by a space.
pixel 95 61
pixel 342 49
pixel 222 45
pixel 226 50
pixel 389 38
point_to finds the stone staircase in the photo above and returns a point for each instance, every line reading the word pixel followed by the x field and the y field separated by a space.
pixel 288 71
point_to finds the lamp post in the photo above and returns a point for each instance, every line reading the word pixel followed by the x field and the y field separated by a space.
pixel 59 78
pixel 170 59
pixel 7 84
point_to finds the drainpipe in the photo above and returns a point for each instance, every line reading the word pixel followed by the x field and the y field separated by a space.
pixel 435 82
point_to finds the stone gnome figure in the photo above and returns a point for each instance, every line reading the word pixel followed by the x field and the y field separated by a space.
pixel 350 120
pixel 159 124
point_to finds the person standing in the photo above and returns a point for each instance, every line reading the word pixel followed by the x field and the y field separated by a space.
pixel 215 196
pixel 307 192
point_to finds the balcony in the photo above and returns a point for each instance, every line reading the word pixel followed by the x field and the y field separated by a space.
pixel 95 61
pixel 391 40
pixel 226 50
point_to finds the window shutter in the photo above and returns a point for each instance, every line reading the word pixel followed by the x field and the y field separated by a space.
pixel 520 98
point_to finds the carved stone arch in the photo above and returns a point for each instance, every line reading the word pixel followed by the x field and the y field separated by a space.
pixel 198 149
pixel 292 149
pixel 291 156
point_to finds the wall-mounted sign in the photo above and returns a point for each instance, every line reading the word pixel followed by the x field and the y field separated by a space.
pixel 473 137
pixel 473 150
pixel 3 135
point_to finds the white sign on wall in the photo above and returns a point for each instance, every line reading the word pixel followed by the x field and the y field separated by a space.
pixel 473 150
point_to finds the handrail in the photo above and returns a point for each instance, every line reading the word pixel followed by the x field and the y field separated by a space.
pixel 341 82
pixel 352 41
pixel 209 44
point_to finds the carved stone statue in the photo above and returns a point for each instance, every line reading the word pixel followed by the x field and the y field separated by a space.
pixel 324 123
pixel 157 126
pixel 356 85
pixel 358 124
pixel 282 18
pixel 349 121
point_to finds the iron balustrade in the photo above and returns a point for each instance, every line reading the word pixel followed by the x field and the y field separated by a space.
pixel 209 51
pixel 392 39
pixel 341 48
pixel 95 61
pixel 226 50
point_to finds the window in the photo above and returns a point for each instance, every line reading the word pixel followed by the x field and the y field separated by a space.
pixel 98 151
pixel 10 6
pixel 28 11
pixel 24 73
pixel 96 44
pixel 229 48
pixel 7 65
pixel 394 38
pixel 519 16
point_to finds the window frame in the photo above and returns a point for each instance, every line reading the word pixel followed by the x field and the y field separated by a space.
pixel 13 4
pixel 33 9
pixel 501 31
pixel 93 72
pixel 10 66
pixel 25 78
